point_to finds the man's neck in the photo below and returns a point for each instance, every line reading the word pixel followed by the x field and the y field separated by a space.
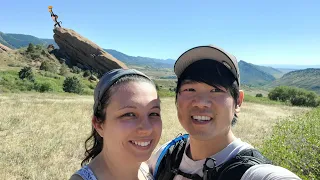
pixel 201 149
pixel 114 167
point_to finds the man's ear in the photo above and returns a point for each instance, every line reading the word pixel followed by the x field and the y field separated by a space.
pixel 239 101
pixel 97 125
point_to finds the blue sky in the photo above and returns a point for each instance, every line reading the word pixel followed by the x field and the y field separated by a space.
pixel 259 32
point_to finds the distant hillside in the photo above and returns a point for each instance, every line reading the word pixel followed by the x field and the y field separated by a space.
pixel 16 41
pixel 291 66
pixel 251 74
pixel 270 70
pixel 306 78
pixel 141 61
pixel 286 70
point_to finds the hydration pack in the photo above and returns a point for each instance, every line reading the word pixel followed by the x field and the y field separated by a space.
pixel 167 166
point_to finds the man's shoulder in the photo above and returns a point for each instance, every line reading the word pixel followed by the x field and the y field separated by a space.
pixel 268 172
pixel 160 151
pixel 154 157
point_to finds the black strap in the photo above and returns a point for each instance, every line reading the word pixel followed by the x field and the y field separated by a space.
pixel 171 161
pixel 186 175
pixel 237 166
pixel 232 169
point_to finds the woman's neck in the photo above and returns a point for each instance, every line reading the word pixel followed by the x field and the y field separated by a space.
pixel 106 166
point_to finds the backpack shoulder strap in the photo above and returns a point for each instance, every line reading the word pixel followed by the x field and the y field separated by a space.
pixel 170 157
pixel 237 166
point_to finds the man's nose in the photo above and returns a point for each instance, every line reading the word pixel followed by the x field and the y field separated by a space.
pixel 202 101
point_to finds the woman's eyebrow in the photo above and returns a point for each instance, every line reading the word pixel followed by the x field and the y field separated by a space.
pixel 127 106
pixel 156 107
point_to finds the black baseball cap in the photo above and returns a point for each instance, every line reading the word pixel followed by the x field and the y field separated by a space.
pixel 207 52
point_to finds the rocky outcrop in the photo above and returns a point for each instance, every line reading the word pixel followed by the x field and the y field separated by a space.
pixel 81 50
pixel 4 48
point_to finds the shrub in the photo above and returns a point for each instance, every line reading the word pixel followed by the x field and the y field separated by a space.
pixel 43 52
pixel 157 87
pixel 30 48
pixel 43 87
pixel 76 69
pixel 295 145
pixel 259 95
pixel 38 47
pixel 48 66
pixel 72 85
pixel 35 55
pixel 296 96
pixel 91 86
pixel 86 73
pixel 64 70
pixel 26 73
pixel 279 94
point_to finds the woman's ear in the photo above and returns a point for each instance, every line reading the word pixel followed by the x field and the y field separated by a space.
pixel 97 125
pixel 239 101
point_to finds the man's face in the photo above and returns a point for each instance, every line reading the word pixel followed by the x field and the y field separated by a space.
pixel 204 111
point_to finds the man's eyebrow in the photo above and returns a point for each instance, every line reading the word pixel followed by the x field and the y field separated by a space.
pixel 188 82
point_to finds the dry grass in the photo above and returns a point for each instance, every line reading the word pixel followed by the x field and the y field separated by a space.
pixel 256 120
pixel 42 135
pixel 10 58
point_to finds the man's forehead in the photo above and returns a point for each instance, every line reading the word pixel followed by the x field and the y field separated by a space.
pixel 190 81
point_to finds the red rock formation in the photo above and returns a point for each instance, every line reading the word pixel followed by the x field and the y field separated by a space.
pixel 4 48
pixel 82 50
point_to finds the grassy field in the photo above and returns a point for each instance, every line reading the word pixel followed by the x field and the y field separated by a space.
pixel 42 135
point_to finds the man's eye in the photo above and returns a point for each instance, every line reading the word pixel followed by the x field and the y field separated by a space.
pixel 189 89
pixel 217 90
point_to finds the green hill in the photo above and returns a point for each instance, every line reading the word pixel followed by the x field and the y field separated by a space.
pixel 251 74
pixel 307 78
pixel 141 61
pixel 16 41
pixel 270 70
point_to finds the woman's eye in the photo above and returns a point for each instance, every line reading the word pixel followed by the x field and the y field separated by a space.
pixel 154 114
pixel 128 115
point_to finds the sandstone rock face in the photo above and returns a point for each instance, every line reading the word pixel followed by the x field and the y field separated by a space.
pixel 4 48
pixel 81 50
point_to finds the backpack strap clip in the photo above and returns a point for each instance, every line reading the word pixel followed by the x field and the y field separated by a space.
pixel 209 168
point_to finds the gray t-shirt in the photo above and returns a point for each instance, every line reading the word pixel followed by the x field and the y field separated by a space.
pixel 257 172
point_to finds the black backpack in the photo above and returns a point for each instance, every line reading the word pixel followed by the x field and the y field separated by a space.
pixel 167 166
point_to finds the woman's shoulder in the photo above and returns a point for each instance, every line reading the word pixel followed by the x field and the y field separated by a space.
pixel 85 173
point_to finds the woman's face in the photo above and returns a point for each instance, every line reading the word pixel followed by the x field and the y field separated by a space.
pixel 133 125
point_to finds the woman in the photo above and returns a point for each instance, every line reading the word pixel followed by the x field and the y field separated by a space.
pixel 126 127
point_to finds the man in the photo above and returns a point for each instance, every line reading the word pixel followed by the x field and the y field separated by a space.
pixel 208 99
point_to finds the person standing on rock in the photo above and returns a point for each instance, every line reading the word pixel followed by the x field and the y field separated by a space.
pixel 54 17
pixel 126 127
